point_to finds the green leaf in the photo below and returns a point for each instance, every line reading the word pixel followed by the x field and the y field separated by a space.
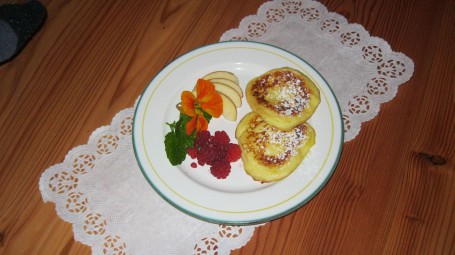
pixel 174 151
pixel 177 141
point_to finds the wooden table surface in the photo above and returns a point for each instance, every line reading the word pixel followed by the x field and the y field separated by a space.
pixel 392 193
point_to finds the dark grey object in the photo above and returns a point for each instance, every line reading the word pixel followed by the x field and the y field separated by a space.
pixel 18 24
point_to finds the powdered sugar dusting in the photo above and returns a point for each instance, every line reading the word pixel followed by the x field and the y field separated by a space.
pixel 283 92
pixel 273 146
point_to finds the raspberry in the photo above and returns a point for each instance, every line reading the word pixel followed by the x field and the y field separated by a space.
pixel 192 152
pixel 202 160
pixel 202 138
pixel 220 169
pixel 215 151
pixel 211 152
pixel 233 152
pixel 221 137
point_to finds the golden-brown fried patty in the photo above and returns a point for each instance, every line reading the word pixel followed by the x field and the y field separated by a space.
pixel 284 97
pixel 270 154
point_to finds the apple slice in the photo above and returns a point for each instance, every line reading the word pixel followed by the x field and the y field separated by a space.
pixel 229 109
pixel 229 92
pixel 230 83
pixel 222 75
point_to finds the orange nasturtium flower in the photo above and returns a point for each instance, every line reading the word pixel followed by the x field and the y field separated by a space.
pixel 207 100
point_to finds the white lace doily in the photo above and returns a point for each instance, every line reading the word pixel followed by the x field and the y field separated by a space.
pixel 362 70
pixel 101 191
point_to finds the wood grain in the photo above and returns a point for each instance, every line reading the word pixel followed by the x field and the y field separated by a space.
pixel 392 193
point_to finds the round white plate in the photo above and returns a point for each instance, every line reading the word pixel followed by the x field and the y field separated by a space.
pixel 237 199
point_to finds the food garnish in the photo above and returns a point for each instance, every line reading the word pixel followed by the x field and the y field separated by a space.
pixel 195 114
pixel 207 100
pixel 189 135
